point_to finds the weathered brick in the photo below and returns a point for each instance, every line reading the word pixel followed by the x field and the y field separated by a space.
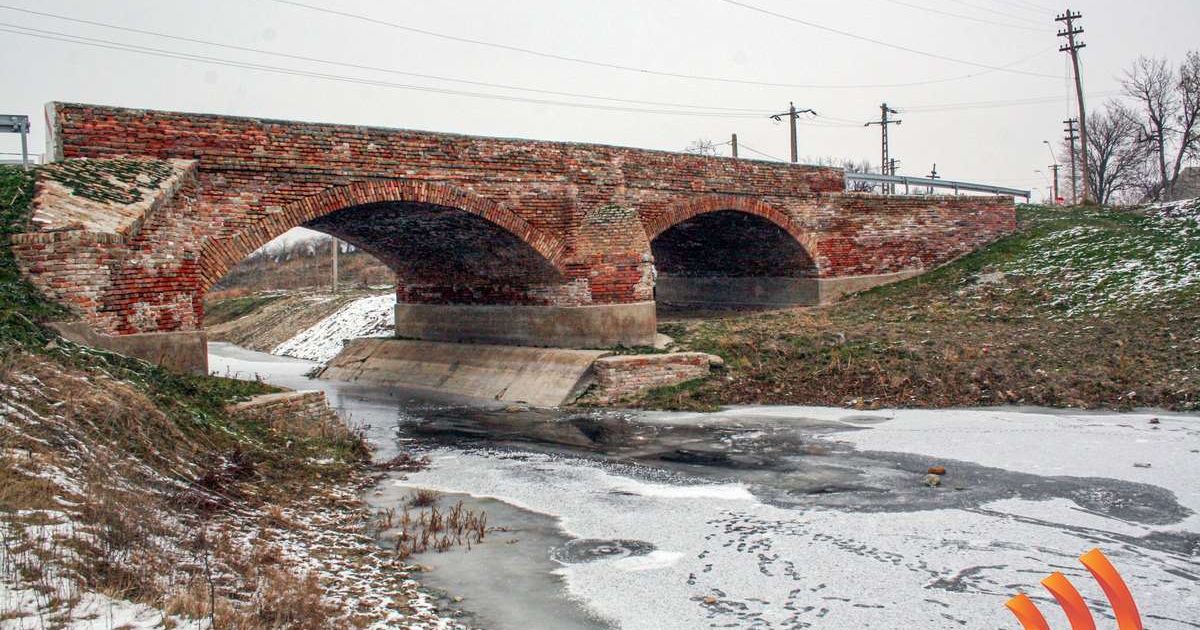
pixel 135 243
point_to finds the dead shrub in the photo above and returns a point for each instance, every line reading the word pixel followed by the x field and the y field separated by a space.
pixel 423 497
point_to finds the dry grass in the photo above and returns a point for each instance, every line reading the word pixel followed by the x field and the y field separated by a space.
pixel 420 530
pixel 423 497
pixel 953 338
pixel 101 491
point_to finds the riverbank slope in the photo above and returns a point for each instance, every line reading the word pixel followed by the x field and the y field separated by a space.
pixel 1085 308
pixel 132 497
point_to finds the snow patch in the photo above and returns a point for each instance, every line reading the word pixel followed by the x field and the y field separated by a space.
pixel 373 316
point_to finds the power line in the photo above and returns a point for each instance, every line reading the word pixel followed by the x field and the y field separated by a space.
pixel 743 145
pixel 374 68
pixel 872 40
pixel 1036 100
pixel 1025 5
pixel 966 17
pixel 976 7
pixel 158 52
pixel 635 69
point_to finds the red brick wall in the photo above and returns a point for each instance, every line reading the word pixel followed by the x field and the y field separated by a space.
pixel 620 377
pixel 561 223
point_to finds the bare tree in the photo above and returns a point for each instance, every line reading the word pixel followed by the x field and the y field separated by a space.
pixel 1169 104
pixel 1189 118
pixel 850 166
pixel 702 147
pixel 1113 152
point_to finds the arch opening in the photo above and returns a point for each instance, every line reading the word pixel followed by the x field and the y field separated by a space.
pixel 449 271
pixel 732 258
pixel 444 255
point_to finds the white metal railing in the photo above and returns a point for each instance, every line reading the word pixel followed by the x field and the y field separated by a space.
pixel 930 184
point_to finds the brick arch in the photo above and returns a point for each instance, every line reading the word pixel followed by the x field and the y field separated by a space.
pixel 217 256
pixel 680 212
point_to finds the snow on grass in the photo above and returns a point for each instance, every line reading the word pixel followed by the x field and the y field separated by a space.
pixel 373 316
pixel 21 609
pixel 1112 259
pixel 1182 210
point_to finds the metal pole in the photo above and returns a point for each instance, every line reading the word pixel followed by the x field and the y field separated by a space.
pixel 335 263
pixel 17 123
pixel 733 143
pixel 25 145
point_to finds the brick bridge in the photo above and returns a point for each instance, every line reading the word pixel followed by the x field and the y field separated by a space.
pixel 492 240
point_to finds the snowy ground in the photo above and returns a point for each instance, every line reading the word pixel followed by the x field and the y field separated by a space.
pixel 722 557
pixel 712 546
pixel 1101 264
pixel 373 316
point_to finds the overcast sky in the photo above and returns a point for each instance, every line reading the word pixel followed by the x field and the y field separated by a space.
pixel 930 58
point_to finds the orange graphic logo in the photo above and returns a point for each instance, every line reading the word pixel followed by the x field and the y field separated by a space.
pixel 1123 606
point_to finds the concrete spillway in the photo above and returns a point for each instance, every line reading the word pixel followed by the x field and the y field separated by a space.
pixel 543 377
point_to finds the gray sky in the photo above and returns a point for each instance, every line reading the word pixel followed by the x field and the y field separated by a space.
pixel 713 38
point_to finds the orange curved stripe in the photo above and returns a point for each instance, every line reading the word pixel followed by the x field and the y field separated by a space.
pixel 1071 601
pixel 1123 606
pixel 1027 613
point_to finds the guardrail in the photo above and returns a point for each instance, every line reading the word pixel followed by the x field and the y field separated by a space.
pixel 924 182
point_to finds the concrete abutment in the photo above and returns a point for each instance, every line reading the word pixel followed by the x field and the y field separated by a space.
pixel 592 326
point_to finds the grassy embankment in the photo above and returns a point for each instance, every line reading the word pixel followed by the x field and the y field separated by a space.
pixel 123 481
pixel 1092 308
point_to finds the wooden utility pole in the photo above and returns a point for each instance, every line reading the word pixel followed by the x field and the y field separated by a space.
pixel 1072 137
pixel 883 122
pixel 1054 169
pixel 733 143
pixel 933 174
pixel 1072 46
pixel 792 114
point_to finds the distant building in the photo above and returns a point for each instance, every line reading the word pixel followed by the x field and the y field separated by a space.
pixel 1187 186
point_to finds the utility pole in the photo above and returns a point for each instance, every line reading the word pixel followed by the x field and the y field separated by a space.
pixel 1072 137
pixel 335 242
pixel 1072 46
pixel 792 113
pixel 733 143
pixel 883 123
pixel 1054 169
pixel 933 175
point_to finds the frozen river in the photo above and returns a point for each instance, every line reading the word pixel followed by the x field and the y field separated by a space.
pixel 789 517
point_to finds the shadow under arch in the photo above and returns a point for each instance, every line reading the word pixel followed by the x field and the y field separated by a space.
pixel 217 256
pixel 731 251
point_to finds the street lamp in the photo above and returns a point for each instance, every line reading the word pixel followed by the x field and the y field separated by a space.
pixel 1050 148
pixel 1055 166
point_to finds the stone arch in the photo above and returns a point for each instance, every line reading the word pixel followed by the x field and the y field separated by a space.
pixel 697 206
pixel 217 256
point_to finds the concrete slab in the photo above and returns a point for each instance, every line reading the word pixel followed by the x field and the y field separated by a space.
pixel 543 377
pixel 179 351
